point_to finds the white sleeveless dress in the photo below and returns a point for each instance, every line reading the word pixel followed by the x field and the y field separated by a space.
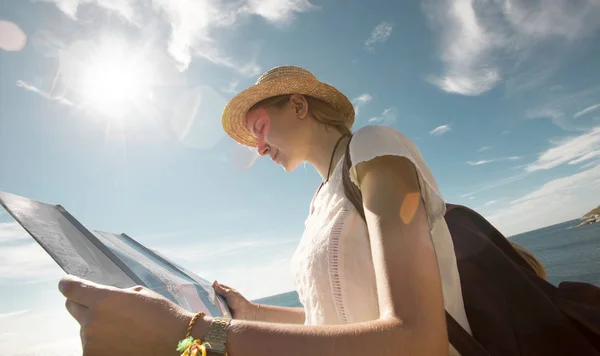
pixel 332 265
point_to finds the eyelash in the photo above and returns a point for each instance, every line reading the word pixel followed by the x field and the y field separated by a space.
pixel 260 129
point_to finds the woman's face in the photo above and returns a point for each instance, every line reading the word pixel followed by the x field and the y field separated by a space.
pixel 281 132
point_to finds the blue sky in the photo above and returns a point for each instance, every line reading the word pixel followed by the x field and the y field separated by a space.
pixel 112 109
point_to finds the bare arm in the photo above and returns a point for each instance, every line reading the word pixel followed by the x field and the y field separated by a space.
pixel 243 309
pixel 276 314
pixel 411 318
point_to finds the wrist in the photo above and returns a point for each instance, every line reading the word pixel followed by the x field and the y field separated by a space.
pixel 200 327
pixel 212 332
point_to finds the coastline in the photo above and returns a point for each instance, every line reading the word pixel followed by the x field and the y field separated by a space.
pixel 586 220
pixel 592 217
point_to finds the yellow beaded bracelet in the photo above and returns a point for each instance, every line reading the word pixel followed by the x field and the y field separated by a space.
pixel 190 346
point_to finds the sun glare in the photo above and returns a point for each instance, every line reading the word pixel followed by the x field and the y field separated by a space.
pixel 115 80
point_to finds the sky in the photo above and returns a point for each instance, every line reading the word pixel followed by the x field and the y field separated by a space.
pixel 112 108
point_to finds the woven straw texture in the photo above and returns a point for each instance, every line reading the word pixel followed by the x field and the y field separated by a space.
pixel 279 81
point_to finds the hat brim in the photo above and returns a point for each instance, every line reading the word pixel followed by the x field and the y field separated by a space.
pixel 234 114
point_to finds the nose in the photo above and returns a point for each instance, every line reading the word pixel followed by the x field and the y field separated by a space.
pixel 263 148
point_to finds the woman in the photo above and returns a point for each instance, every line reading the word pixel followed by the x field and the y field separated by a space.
pixel 374 287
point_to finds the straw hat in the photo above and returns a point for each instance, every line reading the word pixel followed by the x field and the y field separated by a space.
pixel 279 81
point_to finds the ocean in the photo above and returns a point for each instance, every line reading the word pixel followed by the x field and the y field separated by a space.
pixel 569 253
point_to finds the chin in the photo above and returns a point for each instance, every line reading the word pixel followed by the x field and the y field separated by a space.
pixel 289 166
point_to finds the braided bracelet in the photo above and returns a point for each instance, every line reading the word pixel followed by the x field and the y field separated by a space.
pixel 190 346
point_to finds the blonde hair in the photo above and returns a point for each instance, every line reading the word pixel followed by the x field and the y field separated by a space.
pixel 531 260
pixel 322 111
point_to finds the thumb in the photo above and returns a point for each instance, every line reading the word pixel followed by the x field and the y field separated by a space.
pixel 219 289
pixel 80 290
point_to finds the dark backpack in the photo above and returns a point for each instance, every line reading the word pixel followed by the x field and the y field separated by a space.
pixel 510 309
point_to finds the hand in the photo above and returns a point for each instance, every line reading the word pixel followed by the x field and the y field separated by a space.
pixel 131 321
pixel 241 308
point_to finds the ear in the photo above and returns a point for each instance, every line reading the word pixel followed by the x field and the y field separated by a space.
pixel 300 105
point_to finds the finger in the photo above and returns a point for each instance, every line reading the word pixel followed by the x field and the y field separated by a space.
pixel 79 290
pixel 139 289
pixel 220 291
pixel 225 286
pixel 221 285
pixel 217 287
pixel 77 311
pixel 145 291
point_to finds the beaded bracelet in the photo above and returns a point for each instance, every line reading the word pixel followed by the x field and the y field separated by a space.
pixel 190 346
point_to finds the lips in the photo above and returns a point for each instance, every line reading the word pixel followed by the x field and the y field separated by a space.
pixel 274 157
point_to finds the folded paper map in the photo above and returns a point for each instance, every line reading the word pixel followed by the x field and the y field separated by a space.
pixel 112 259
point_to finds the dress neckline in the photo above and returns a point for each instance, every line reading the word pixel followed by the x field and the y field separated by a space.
pixel 333 174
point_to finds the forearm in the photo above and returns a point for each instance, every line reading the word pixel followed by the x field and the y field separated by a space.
pixel 276 314
pixel 379 337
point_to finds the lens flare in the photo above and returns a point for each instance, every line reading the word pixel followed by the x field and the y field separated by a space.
pixel 109 77
pixel 12 38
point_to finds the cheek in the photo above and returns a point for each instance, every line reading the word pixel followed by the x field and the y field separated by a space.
pixel 284 129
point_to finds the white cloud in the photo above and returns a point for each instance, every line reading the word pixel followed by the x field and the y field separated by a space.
pixel 440 130
pixel 387 117
pixel 495 184
pixel 57 333
pixel 465 47
pixel 560 18
pixel 586 157
pixel 253 277
pixel 43 94
pixel 586 110
pixel 12 231
pixel 486 161
pixel 478 163
pixel 4 336
pixel 26 262
pixel 13 314
pixel 557 117
pixel 125 8
pixel 361 101
pixel 232 88
pixel 571 149
pixel 558 200
pixel 505 132
pixel 193 22
pixel 476 36
pixel 227 247
pixel 482 209
pixel 492 202
pixel 590 164
pixel 256 279
pixel 279 11
pixel 380 34
pixel 484 148
pixel 212 54
pixel 559 107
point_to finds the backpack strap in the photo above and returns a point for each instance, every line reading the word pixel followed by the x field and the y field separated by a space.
pixel 464 343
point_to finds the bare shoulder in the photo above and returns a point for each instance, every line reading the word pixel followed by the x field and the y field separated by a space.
pixel 384 161
pixel 387 174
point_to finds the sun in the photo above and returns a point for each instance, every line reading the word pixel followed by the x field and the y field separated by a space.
pixel 115 80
